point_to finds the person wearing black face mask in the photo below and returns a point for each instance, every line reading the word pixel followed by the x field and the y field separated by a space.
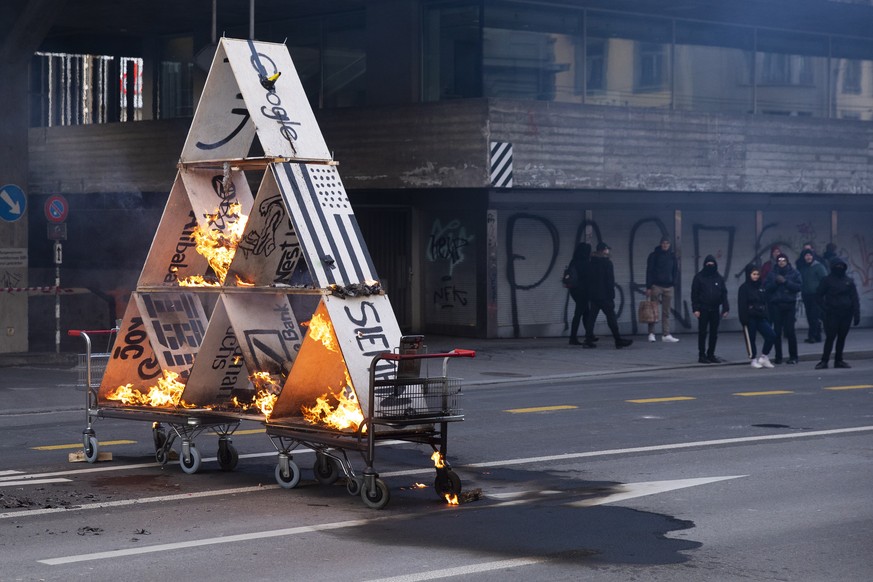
pixel 783 284
pixel 709 301
pixel 838 297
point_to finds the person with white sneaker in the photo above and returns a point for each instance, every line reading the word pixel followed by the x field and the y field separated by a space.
pixel 662 272
pixel 752 309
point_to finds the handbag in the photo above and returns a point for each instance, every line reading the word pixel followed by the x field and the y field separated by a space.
pixel 647 311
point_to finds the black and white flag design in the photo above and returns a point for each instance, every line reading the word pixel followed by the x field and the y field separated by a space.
pixel 325 224
pixel 501 164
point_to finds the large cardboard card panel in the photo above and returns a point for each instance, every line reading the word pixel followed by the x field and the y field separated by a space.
pixel 213 196
pixel 267 330
pixel 365 327
pixel 253 89
pixel 319 371
pixel 176 324
pixel 172 256
pixel 278 106
pixel 132 360
pixel 269 252
pixel 325 224
pixel 219 372
pixel 222 128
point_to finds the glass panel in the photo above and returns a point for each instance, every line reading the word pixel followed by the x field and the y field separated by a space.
pixel 628 61
pixel 304 44
pixel 852 79
pixel 452 52
pixel 792 74
pixel 713 68
pixel 176 90
pixel 344 61
pixel 532 54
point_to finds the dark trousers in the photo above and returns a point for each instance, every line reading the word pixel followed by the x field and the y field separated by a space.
pixel 608 309
pixel 580 314
pixel 707 325
pixel 836 326
pixel 759 325
pixel 813 316
pixel 784 316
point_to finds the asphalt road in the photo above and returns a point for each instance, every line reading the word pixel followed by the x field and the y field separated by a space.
pixel 707 473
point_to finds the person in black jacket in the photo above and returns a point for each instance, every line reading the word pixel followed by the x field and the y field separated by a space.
pixel 601 294
pixel 579 292
pixel 752 310
pixel 839 301
pixel 709 302
pixel 783 283
pixel 662 273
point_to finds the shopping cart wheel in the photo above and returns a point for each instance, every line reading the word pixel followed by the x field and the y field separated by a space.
pixel 228 456
pixel 291 480
pixel 447 482
pixel 159 435
pixel 162 456
pixel 192 465
pixel 325 469
pixel 353 485
pixel 92 450
pixel 378 497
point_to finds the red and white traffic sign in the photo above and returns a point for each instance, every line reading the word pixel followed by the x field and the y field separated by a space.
pixel 56 209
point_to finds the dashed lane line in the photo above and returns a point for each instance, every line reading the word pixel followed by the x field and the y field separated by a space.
pixel 665 399
pixel 541 409
pixel 857 387
pixel 764 393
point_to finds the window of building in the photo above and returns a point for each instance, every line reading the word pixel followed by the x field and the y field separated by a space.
pixel 632 59
pixel 452 54
pixel 532 53
pixel 792 74
pixel 713 68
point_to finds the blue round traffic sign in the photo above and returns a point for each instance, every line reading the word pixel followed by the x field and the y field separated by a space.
pixel 56 209
pixel 13 202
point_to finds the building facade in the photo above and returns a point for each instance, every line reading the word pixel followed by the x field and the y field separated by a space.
pixel 481 140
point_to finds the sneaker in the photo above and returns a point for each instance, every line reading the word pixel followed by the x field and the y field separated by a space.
pixel 791 361
pixel 841 364
pixel 703 360
pixel 588 345
pixel 756 364
pixel 669 339
pixel 651 337
pixel 765 361
pixel 715 360
pixel 821 365
pixel 622 343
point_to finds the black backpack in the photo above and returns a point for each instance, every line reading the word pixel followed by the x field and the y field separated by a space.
pixel 571 277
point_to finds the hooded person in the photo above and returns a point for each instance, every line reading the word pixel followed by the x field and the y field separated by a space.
pixel 782 284
pixel 811 273
pixel 775 251
pixel 752 311
pixel 709 302
pixel 662 273
pixel 580 264
pixel 838 297
pixel 601 294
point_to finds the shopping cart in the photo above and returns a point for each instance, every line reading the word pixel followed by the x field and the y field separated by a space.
pixel 184 424
pixel 406 408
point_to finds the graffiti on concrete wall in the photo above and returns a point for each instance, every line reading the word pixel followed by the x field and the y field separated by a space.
pixel 451 281
pixel 525 277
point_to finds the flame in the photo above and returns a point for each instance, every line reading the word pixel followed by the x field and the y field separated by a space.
pixel 438 460
pixel 265 398
pixel 321 330
pixel 451 499
pixel 197 281
pixel 346 414
pixel 167 393
pixel 242 283
pixel 219 245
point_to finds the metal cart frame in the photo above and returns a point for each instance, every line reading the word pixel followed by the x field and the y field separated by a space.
pixel 422 425
pixel 185 423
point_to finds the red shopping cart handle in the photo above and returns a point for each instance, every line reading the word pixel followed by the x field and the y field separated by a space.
pixel 78 332
pixel 456 353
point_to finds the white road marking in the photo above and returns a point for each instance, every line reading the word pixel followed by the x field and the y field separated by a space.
pixel 3 473
pixel 212 541
pixel 632 490
pixel 140 501
pixel 32 482
pixel 674 446
pixel 462 570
